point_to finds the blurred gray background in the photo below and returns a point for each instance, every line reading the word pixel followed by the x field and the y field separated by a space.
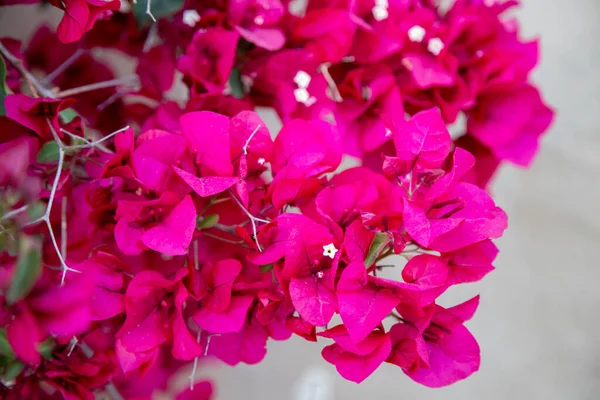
pixel 538 323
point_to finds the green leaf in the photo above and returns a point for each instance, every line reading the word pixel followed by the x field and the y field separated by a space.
pixel 67 115
pixel 208 222
pixel 13 369
pixel 159 8
pixel 36 210
pixel 266 268
pixel 29 267
pixel 5 347
pixel 235 83
pixel 380 242
pixel 3 88
pixel 46 348
pixel 49 152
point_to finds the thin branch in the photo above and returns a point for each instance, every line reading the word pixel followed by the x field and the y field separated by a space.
pixel 62 148
pixel 74 136
pixel 62 67
pixel 253 220
pixel 151 38
pixel 148 5
pixel 13 213
pixel 72 345
pixel 245 148
pixel 210 235
pixel 32 80
pixel 98 85
pixel 335 93
pixel 96 142
pixel 63 228
pixel 192 376
pixel 111 99
pixel 196 262
pixel 112 391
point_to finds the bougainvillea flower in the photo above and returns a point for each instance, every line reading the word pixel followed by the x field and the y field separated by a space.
pixel 34 113
pixel 356 362
pixel 510 123
pixel 327 33
pixel 165 225
pixel 436 349
pixel 80 16
pixel 247 346
pixel 153 307
pixel 299 158
pixel 370 94
pixel 208 59
pixel 257 20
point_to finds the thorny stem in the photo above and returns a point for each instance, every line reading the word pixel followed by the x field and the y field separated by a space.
pixel 196 262
pixel 41 90
pixel 335 93
pixel 73 136
pixel 245 148
pixel 222 239
pixel 62 67
pixel 253 221
pixel 63 228
pixel 13 213
pixel 96 142
pixel 18 64
pixel 62 148
pixel 112 391
pixel 151 38
pixel 192 376
pixel 128 80
pixel 72 345
pixel 148 5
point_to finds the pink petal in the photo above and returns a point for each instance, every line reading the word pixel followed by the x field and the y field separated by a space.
pixel 315 303
pixel 174 234
pixel 209 185
pixel 228 321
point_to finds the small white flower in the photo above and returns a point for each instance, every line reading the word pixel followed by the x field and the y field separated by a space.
pixel 416 34
pixel 261 161
pixel 259 20
pixel 388 132
pixel 320 274
pixel 191 17
pixel 330 250
pixel 380 12
pixel 302 96
pixel 435 46
pixel 302 79
pixel 382 3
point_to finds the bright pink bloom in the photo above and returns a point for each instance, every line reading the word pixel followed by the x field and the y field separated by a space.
pixel 80 16
pixel 35 113
pixel 356 361
pixel 209 58
pixel 510 123
pixel 434 348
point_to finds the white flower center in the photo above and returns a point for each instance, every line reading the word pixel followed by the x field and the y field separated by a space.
pixel 261 161
pixel 259 20
pixel 302 79
pixel 302 96
pixel 416 34
pixel 191 17
pixel 330 250
pixel 435 46
pixel 380 12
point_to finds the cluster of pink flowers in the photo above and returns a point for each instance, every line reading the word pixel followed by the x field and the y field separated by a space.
pixel 128 258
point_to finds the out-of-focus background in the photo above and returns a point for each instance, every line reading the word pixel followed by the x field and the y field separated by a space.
pixel 538 324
